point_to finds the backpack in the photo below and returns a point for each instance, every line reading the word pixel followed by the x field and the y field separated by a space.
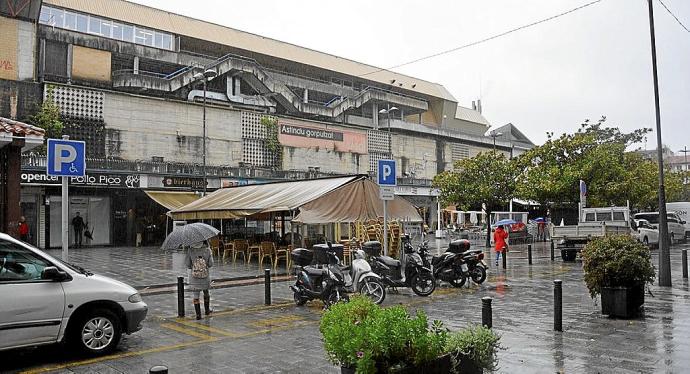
pixel 199 268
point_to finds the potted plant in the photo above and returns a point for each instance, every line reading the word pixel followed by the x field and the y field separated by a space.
pixel 362 337
pixel 473 349
pixel 618 267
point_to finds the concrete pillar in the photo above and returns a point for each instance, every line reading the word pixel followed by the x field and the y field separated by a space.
pixel 42 62
pixel 306 96
pixel 419 120
pixel 13 189
pixel 69 63
pixel 136 65
pixel 375 115
pixel 236 86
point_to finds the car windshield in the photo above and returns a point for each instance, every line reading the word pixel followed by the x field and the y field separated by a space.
pixel 652 218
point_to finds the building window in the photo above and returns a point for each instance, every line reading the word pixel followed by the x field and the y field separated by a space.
pixel 105 27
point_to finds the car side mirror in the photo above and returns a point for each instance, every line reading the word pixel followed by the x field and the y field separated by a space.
pixel 52 273
pixel 682 222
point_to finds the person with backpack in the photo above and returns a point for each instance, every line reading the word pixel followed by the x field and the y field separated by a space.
pixel 199 260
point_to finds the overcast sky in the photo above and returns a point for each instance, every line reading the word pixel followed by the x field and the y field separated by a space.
pixel 550 77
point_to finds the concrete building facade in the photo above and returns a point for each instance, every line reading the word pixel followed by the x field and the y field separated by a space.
pixel 126 80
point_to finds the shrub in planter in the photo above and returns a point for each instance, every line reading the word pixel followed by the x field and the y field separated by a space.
pixel 363 337
pixel 617 267
pixel 474 349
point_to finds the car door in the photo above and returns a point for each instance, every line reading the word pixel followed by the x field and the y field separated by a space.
pixel 674 227
pixel 31 308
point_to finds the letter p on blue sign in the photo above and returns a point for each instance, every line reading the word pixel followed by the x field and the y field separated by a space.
pixel 66 158
pixel 386 173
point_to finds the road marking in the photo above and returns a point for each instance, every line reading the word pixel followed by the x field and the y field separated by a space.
pixel 210 329
pixel 175 327
pixel 279 321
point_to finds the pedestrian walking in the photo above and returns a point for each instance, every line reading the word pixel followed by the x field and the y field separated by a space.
pixel 500 244
pixel 199 260
pixel 78 225
pixel 23 230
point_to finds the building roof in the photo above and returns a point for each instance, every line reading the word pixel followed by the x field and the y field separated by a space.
pixel 17 128
pixel 673 160
pixel 470 115
pixel 511 134
pixel 182 25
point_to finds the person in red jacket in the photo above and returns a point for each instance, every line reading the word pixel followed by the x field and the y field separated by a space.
pixel 500 236
pixel 23 229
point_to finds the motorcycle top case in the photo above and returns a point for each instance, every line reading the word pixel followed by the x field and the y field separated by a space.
pixel 302 256
pixel 372 248
pixel 459 246
pixel 320 250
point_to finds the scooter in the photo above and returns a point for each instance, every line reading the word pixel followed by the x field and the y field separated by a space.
pixel 417 276
pixel 457 264
pixel 321 281
pixel 360 278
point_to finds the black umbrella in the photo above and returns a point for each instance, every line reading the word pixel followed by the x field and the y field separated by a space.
pixel 188 235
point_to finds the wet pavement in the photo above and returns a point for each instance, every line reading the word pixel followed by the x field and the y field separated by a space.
pixel 244 336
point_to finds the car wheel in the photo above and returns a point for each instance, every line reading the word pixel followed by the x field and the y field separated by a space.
pixel 97 332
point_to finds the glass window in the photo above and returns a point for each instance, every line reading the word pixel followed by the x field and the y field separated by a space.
pixel 45 15
pixel 589 217
pixel 106 28
pixel 58 17
pixel 70 21
pixel 148 39
pixel 94 25
pixel 18 263
pixel 117 31
pixel 604 216
pixel 167 41
pixel 618 216
pixel 128 33
pixel 158 42
pixel 139 36
pixel 82 23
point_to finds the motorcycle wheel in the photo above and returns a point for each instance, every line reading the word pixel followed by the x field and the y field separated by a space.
pixel 373 289
pixel 458 282
pixel 299 299
pixel 478 274
pixel 335 297
pixel 423 284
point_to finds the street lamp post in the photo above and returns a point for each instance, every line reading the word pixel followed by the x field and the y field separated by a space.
pixel 664 253
pixel 494 134
pixel 687 168
pixel 204 77
pixel 385 202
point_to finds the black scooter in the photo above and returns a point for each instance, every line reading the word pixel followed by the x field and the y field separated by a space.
pixel 320 281
pixel 458 263
pixel 417 276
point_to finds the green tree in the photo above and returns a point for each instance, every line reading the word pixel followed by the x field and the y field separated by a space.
pixel 488 178
pixel 48 118
pixel 271 141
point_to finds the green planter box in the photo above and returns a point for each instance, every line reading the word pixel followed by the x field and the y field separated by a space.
pixel 622 302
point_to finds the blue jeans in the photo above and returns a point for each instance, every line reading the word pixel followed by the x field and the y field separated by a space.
pixel 498 256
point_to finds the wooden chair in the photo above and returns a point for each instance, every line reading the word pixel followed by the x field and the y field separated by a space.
pixel 215 243
pixel 227 248
pixel 254 249
pixel 267 249
pixel 240 246
pixel 284 253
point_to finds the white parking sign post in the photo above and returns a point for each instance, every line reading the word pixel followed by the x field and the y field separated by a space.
pixel 387 182
pixel 66 158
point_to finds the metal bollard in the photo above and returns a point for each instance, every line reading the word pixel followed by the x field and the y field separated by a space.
pixel 486 312
pixel 159 369
pixel 267 286
pixel 684 261
pixel 557 305
pixel 529 253
pixel 504 257
pixel 180 297
pixel 553 247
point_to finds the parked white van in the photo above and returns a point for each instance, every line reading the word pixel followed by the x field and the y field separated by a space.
pixel 45 300
pixel 676 226
pixel 682 209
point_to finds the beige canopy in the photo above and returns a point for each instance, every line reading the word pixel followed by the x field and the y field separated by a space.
pixel 173 199
pixel 355 201
pixel 341 199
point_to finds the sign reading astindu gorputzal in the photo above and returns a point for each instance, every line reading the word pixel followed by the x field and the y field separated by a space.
pixel 311 133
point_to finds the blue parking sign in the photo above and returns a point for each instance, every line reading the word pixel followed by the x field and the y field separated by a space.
pixel 66 158
pixel 386 173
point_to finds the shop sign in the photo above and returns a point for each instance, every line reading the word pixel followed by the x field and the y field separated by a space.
pixel 232 182
pixel 89 180
pixel 312 133
pixel 302 134
pixel 183 182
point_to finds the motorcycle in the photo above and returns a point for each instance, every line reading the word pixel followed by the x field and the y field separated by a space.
pixel 321 281
pixel 456 264
pixel 417 276
pixel 360 278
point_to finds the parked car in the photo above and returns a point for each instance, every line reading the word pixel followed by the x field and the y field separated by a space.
pixel 682 209
pixel 646 233
pixel 676 226
pixel 46 300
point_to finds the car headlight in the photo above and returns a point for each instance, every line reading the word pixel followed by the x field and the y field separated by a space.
pixel 136 298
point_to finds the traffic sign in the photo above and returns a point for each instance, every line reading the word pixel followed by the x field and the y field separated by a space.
pixel 386 173
pixel 386 192
pixel 66 158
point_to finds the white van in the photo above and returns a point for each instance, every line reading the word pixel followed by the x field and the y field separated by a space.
pixel 681 208
pixel 45 300
pixel 676 226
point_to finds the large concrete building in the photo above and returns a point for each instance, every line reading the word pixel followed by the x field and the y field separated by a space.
pixel 126 78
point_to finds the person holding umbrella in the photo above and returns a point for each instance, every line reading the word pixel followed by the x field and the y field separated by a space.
pixel 500 236
pixel 199 260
